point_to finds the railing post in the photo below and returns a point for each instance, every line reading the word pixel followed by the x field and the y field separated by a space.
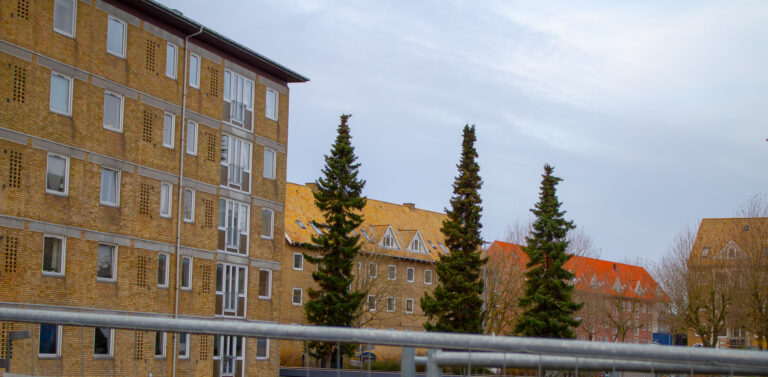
pixel 407 364
pixel 433 370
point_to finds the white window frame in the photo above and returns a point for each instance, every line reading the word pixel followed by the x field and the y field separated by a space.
pixel 117 188
pixel 276 97
pixel 55 355
pixel 162 344
pixel 187 287
pixel 269 284
pixel 191 145
pixel 121 54
pixel 172 74
pixel 272 172
pixel 301 261
pixel 413 305
pixel 63 256
pixel 110 345
pixel 114 263
pixel 271 224
pixel 391 272
pixel 119 127
pixel 66 175
pixel 373 267
pixel 168 197
pixel 70 83
pixel 242 226
pixel 393 300
pixel 427 272
pixel 167 267
pixel 74 19
pixel 266 357
pixel 237 163
pixel 185 347
pixel 229 91
pixel 412 272
pixel 293 296
pixel 172 126
pixel 192 194
pixel 196 71
pixel 371 308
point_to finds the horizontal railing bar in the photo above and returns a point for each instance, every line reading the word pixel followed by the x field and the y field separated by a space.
pixel 387 337
pixel 516 360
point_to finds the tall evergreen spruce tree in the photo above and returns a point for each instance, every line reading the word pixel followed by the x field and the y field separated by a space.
pixel 548 300
pixel 456 304
pixel 339 197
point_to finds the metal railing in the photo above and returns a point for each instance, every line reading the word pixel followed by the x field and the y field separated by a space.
pixel 496 351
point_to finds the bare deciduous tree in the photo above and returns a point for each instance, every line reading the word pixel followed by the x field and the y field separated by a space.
pixel 503 286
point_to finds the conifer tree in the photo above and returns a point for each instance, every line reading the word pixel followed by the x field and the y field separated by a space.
pixel 548 300
pixel 339 197
pixel 456 304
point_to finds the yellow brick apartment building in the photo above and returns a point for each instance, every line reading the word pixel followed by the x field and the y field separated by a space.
pixel 142 170
pixel 401 244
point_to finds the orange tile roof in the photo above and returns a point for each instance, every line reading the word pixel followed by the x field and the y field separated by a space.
pixel 594 275
pixel 378 217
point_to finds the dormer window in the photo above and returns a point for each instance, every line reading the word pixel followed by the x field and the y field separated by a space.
pixel 705 252
pixel 417 244
pixel 388 240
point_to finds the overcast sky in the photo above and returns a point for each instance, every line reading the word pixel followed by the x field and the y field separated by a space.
pixel 655 114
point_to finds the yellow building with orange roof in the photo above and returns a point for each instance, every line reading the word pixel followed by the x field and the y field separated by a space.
pixel 401 244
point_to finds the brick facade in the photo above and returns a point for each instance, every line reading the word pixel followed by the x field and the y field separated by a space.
pixel 31 51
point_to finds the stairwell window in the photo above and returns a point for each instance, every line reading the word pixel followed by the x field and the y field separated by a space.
pixel 271 104
pixel 169 133
pixel 171 56
pixel 186 273
pixel 183 346
pixel 116 37
pixel 160 345
pixel 262 348
pixel 110 187
pixel 106 263
pixel 192 138
pixel 236 163
pixel 57 175
pixel 49 341
pixel 267 223
pixel 54 249
pixel 165 199
pixel 103 342
pixel 162 270
pixel 238 95
pixel 233 225
pixel 64 13
pixel 265 284
pixel 189 205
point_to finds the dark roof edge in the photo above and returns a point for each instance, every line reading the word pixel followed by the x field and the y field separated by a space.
pixel 189 26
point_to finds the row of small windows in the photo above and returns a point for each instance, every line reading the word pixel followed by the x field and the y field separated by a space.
pixel 387 240
pixel 391 304
pixel 238 90
pixel 298 264
pixel 50 338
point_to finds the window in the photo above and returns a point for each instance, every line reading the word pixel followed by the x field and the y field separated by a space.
pixel 169 123
pixel 113 111
pixel 61 94
pixel 409 274
pixel 171 55
pixel 269 163
pixel 372 303
pixel 391 272
pixel 262 348
pixel 194 71
pixel 266 223
pixel 238 91
pixel 296 296
pixel 233 219
pixel 230 290
pixel 189 205
pixel 186 273
pixel 159 344
pixel 271 108
pixel 409 306
pixel 57 173
pixel 443 248
pixel 298 261
pixel 49 340
pixel 162 270
pixel 373 270
pixel 110 187
pixel 390 304
pixel 103 340
pixel 387 241
pixel 165 200
pixel 300 224
pixel 236 157
pixel 106 262
pixel 53 255
pixel 64 17
pixel 183 346
pixel 192 138
pixel 265 284
pixel 427 276
pixel 705 252
pixel 116 37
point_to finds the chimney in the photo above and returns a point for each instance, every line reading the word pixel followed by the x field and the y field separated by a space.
pixel 312 186
pixel 410 205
